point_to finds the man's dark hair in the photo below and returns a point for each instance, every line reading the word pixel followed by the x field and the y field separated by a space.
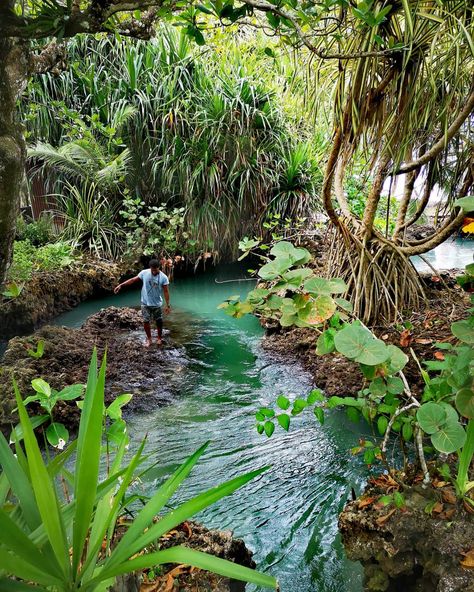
pixel 154 263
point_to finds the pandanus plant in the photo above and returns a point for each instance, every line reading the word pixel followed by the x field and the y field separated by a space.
pixel 58 528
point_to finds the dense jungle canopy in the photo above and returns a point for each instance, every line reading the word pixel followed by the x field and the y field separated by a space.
pixel 385 89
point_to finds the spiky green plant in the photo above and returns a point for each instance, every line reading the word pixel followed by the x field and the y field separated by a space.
pixel 52 541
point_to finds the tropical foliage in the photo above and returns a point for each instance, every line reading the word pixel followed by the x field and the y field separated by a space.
pixel 58 529
pixel 164 124
pixel 299 298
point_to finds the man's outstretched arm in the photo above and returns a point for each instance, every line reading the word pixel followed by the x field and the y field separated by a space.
pixel 126 283
pixel 166 293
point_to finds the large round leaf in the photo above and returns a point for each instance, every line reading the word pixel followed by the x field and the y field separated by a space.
pixel 465 402
pixel 351 340
pixel 57 435
pixel 466 203
pixel 318 285
pixel 300 256
pixel 357 343
pixel 318 310
pixel 282 249
pixel 295 277
pixel 449 438
pixel 274 268
pixel 431 417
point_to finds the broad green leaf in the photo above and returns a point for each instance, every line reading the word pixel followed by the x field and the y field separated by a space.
pixel 466 203
pixel 41 386
pixel 449 438
pixel 318 285
pixel 353 414
pixel 114 410
pixel 397 359
pixel 464 331
pixel 314 396
pixel 269 428
pixel 319 413
pixel 298 406
pixel 287 320
pixel 57 435
pixel 395 385
pixel 297 276
pixel 283 402
pixel 407 431
pixel 344 304
pixel 398 499
pixel 382 423
pixel 431 417
pixel 70 393
pixel 274 268
pixel 325 343
pixel 274 302
pixel 282 249
pixel 378 387
pixel 465 402
pixel 359 344
pixel 284 421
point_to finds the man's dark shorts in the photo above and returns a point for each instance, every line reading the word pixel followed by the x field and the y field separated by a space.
pixel 152 313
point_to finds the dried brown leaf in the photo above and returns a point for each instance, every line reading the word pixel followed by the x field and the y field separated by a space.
pixel 468 560
pixel 383 519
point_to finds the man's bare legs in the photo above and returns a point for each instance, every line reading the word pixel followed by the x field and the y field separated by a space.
pixel 159 328
pixel 147 328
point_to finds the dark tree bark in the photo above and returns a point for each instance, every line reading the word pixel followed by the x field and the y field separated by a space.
pixel 13 79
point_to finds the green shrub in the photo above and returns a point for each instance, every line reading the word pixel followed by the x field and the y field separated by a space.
pixel 295 297
pixel 22 262
pixel 40 232
pixel 27 259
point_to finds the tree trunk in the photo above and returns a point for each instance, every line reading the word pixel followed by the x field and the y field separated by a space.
pixel 13 79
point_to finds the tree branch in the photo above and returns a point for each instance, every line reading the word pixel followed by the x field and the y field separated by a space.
pixel 442 142
pixel 52 58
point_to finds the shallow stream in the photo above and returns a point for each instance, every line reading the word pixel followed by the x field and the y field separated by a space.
pixel 288 516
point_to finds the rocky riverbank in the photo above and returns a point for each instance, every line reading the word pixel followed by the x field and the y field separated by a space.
pixel 151 375
pixel 48 294
pixel 427 545
pixel 418 331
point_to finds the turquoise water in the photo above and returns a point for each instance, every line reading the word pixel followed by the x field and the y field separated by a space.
pixel 452 254
pixel 288 516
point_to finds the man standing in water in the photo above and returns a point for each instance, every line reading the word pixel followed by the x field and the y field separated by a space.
pixel 155 285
